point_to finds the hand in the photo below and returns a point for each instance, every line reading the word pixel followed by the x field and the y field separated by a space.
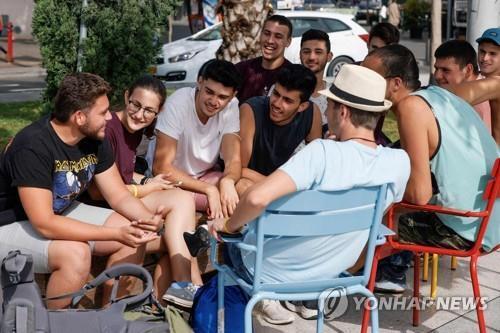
pixel 215 226
pixel 133 236
pixel 158 183
pixel 214 208
pixel 228 196
pixel 153 224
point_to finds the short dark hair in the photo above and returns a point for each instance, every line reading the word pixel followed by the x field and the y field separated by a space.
pixel 221 71
pixel 461 51
pixel 281 20
pixel 297 77
pixel 78 91
pixel 399 61
pixel 315 34
pixel 386 32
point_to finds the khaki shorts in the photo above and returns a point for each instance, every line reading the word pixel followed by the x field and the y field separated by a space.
pixel 22 236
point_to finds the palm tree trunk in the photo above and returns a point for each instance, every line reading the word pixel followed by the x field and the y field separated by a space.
pixel 241 25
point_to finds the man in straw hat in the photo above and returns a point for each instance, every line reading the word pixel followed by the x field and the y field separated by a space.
pixel 355 103
pixel 444 138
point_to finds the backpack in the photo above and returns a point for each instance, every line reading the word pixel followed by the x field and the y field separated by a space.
pixel 204 312
pixel 24 310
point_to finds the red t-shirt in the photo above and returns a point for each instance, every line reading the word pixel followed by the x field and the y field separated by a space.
pixel 124 146
pixel 256 80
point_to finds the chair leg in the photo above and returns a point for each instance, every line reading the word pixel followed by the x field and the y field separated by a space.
pixel 321 314
pixel 435 266
pixel 374 313
pixel 371 286
pixel 220 302
pixel 416 288
pixel 477 294
pixel 453 265
pixel 425 267
pixel 248 314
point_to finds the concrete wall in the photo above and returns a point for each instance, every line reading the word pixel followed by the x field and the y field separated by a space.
pixel 20 13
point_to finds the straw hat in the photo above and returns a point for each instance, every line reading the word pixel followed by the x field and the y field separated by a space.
pixel 360 88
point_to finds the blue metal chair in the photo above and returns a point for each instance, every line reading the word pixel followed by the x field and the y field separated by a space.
pixel 309 213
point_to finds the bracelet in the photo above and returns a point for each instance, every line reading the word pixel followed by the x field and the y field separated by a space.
pixel 134 190
pixel 144 180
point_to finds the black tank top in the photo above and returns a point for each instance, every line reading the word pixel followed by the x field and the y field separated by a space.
pixel 273 145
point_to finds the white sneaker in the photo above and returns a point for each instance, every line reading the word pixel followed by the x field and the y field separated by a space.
pixel 272 312
pixel 305 312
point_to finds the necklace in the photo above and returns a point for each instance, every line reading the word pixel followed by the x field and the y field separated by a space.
pixel 360 138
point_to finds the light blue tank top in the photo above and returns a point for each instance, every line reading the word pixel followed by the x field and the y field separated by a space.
pixel 462 164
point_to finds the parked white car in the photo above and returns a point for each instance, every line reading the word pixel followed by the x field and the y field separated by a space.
pixel 180 61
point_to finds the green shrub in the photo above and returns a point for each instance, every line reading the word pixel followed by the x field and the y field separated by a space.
pixel 120 40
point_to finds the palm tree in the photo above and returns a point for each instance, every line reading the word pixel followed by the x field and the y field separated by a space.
pixel 242 23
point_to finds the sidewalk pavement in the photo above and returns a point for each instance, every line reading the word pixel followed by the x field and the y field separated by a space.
pixel 453 284
pixel 27 59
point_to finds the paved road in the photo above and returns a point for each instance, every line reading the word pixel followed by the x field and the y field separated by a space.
pixel 17 89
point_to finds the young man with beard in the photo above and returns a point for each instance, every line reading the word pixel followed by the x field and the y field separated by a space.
pixel 259 74
pixel 315 53
pixel 196 127
pixel 43 171
pixel 456 62
pixel 446 139
pixel 489 64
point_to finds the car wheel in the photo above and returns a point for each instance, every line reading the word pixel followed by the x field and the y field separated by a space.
pixel 335 65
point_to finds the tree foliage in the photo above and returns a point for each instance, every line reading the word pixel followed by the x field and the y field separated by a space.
pixel 120 42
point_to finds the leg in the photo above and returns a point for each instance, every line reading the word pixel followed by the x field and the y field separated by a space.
pixel 118 253
pixel 416 287
pixel 70 265
pixel 242 185
pixel 453 263
pixel 180 218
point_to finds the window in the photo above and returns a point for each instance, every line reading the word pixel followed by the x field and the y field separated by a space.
pixel 302 24
pixel 211 34
pixel 335 25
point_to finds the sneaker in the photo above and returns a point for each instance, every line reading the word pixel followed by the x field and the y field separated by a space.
pixel 181 293
pixel 272 312
pixel 197 242
pixel 389 287
pixel 308 310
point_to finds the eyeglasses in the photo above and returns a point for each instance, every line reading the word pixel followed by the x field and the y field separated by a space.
pixel 135 107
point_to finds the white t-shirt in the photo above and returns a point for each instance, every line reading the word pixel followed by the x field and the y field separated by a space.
pixel 198 144
pixel 330 165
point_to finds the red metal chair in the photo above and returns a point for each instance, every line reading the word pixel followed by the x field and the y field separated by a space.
pixel 490 194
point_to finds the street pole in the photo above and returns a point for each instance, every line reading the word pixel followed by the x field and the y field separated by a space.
pixel 83 36
pixel 482 15
pixel 449 8
pixel 436 30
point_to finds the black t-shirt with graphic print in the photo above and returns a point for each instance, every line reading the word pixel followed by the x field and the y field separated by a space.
pixel 37 157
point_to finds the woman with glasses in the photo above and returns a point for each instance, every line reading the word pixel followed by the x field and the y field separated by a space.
pixel 143 101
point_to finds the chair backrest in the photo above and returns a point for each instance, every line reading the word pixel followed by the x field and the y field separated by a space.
pixel 490 195
pixel 322 213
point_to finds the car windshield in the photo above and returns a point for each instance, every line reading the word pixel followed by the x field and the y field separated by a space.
pixel 210 34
